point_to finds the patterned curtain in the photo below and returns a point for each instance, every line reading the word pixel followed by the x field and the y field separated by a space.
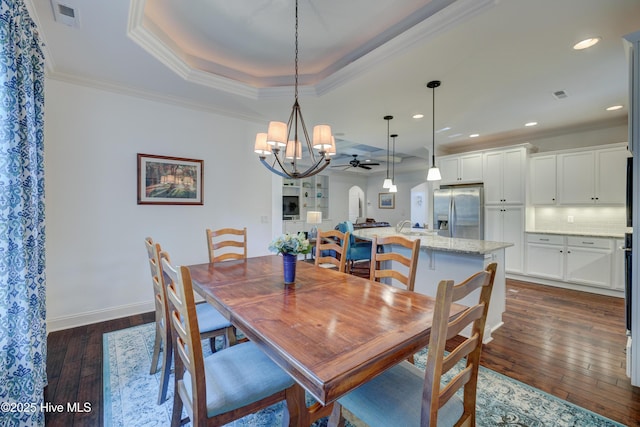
pixel 23 340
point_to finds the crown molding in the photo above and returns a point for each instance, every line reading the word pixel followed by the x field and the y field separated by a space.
pixel 150 96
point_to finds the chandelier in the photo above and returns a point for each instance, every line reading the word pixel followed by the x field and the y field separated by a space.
pixel 287 151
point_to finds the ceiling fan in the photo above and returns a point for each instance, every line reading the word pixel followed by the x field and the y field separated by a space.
pixel 355 163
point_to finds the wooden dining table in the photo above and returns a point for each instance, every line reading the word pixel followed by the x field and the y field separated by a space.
pixel 330 331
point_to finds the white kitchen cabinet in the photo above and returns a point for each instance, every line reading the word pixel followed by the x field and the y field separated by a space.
pixel 592 177
pixel 589 261
pixel 460 169
pixel 572 259
pixel 545 256
pixel 542 185
pixel 504 176
pixel 618 264
pixel 506 224
pixel 611 175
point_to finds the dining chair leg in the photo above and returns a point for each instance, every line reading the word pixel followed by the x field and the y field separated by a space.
pixel 176 415
pixel 156 351
pixel 230 337
pixel 167 354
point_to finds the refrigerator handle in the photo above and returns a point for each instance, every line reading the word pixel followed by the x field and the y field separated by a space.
pixel 452 214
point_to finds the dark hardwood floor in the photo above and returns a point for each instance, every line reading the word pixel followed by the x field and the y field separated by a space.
pixel 567 343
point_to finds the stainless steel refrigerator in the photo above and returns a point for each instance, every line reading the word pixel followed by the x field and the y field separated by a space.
pixel 458 211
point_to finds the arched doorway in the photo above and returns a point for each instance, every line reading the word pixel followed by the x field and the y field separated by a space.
pixel 356 203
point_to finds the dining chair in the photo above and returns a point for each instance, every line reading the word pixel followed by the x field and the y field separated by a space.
pixel 226 385
pixel 212 324
pixel 227 243
pixel 331 246
pixel 407 396
pixel 383 263
pixel 358 250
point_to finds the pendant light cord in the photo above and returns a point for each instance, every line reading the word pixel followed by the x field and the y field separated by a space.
pixel 433 130
pixel 388 148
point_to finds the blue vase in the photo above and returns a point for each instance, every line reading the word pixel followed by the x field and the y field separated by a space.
pixel 289 262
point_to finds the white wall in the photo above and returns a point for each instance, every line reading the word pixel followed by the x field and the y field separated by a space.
pixel 96 262
pixel 405 182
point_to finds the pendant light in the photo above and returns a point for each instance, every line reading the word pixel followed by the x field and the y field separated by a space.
pixel 387 182
pixel 287 150
pixel 434 172
pixel 393 188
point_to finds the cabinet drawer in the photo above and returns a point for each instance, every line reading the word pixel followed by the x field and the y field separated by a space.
pixel 548 239
pixel 590 242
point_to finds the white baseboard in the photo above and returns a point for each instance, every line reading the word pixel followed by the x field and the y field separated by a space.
pixel 566 285
pixel 96 316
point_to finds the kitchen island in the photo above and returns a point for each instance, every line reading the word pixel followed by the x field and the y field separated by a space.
pixel 445 258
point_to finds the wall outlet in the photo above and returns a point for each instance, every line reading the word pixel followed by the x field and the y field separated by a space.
pixel 570 219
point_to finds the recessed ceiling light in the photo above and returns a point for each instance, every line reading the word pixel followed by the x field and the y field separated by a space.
pixel 444 129
pixel 531 124
pixel 586 43
pixel 474 135
pixel 455 135
pixel 418 116
pixel 614 108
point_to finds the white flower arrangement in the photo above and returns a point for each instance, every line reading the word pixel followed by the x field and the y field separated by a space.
pixel 293 244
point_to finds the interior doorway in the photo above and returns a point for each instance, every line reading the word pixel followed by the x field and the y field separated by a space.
pixel 356 203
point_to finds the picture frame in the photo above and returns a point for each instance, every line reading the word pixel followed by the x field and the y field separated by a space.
pixel 386 201
pixel 165 180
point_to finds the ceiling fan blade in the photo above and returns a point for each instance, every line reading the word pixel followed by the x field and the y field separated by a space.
pixel 372 164
pixel 364 167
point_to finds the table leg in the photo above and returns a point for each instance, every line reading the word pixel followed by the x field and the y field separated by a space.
pixel 301 416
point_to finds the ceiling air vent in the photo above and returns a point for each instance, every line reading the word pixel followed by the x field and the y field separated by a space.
pixel 560 94
pixel 65 14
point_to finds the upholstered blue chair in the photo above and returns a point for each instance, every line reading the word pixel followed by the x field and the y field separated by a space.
pixel 407 396
pixel 357 250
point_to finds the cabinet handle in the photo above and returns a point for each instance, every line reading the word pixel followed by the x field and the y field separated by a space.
pixel 588 243
pixel 544 240
pixel 561 251
pixel 553 200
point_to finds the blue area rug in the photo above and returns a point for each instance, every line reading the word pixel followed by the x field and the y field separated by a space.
pixel 130 393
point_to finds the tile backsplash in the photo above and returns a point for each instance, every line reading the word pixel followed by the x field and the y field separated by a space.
pixel 580 219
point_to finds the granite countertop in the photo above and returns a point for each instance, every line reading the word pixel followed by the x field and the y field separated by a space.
pixel 611 235
pixel 431 241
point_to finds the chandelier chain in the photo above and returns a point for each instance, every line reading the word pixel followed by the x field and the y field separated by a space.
pixel 296 56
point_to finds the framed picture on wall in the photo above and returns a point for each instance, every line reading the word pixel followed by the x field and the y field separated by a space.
pixel 164 180
pixel 386 201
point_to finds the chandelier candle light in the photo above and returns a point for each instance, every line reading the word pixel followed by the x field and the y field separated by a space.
pixel 434 172
pixel 287 150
